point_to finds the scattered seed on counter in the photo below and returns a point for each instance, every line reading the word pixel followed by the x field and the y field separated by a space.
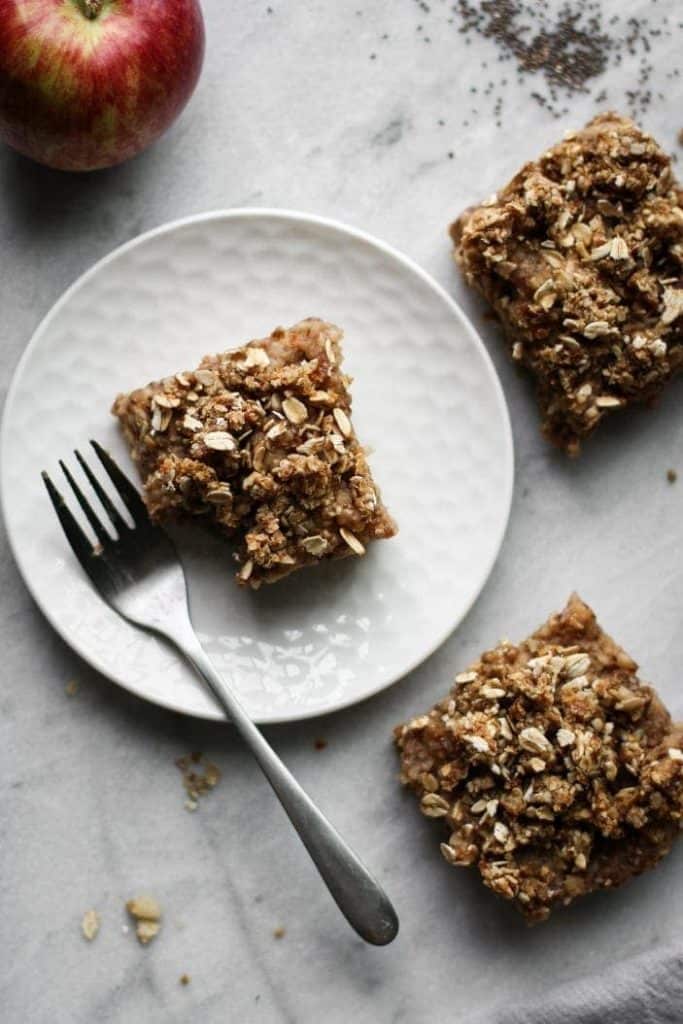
pixel 563 49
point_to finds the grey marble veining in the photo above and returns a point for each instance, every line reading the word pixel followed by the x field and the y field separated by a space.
pixel 293 111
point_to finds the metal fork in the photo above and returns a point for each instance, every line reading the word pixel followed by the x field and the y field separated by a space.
pixel 138 573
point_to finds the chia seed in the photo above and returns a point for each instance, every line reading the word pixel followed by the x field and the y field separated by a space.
pixel 564 48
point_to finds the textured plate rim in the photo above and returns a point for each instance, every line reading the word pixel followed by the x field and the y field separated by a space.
pixel 294 216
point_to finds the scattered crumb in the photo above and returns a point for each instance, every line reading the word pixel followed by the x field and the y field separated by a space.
pixel 279 933
pixel 671 476
pixel 147 914
pixel 680 137
pixel 90 925
pixel 199 777
pixel 146 931
pixel 71 688
pixel 145 907
pixel 320 744
pixel 184 979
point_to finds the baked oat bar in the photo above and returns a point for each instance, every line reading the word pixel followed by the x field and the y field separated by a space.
pixel 554 769
pixel 581 256
pixel 258 442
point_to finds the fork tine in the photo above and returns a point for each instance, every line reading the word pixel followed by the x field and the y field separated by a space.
pixel 117 521
pixel 100 532
pixel 129 493
pixel 82 547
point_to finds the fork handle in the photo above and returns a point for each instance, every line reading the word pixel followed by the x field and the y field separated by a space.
pixel 360 898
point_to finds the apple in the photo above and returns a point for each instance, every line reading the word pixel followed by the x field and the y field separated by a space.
pixel 86 84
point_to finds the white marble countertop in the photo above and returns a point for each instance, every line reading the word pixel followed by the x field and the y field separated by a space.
pixel 293 110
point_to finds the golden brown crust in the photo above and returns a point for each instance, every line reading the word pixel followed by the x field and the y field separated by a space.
pixel 555 769
pixel 258 441
pixel 581 256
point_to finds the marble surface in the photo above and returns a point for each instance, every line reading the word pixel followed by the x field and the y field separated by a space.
pixel 293 110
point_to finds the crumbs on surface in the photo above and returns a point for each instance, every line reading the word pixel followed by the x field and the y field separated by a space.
pixel 146 913
pixel 200 776
pixel 279 933
pixel 71 688
pixel 671 476
pixel 184 979
pixel 90 924
pixel 320 744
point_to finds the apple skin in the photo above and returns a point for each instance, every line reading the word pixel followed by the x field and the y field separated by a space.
pixel 86 84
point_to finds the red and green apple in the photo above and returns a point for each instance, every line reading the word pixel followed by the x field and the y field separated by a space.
pixel 86 84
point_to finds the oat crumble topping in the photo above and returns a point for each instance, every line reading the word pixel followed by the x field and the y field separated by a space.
pixel 581 256
pixel 554 769
pixel 259 443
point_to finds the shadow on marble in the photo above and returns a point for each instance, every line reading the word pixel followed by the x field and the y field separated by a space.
pixel 43 204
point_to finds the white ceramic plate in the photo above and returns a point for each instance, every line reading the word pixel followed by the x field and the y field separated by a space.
pixel 426 400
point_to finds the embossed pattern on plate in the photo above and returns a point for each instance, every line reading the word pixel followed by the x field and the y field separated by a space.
pixel 426 401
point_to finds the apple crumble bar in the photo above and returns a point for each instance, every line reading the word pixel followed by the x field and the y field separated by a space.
pixel 555 770
pixel 259 443
pixel 581 256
